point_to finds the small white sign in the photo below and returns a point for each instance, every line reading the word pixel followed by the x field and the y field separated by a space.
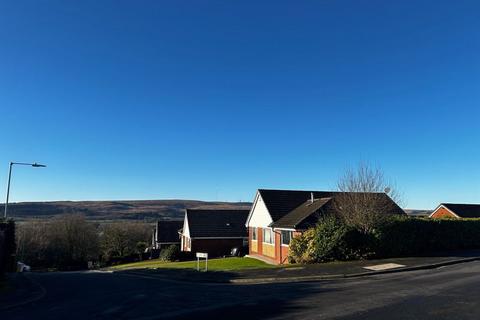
pixel 202 255
pixel 385 266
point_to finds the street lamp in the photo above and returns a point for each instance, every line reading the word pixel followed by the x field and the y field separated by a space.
pixel 35 165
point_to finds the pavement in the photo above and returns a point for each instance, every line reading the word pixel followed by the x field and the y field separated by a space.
pixel 449 292
pixel 312 272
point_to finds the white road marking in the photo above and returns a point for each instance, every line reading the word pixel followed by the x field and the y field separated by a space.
pixel 385 266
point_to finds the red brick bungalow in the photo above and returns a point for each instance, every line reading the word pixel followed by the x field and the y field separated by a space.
pixel 213 231
pixel 456 210
pixel 277 216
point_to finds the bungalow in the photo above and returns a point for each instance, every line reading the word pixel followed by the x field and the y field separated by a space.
pixel 456 210
pixel 166 233
pixel 277 216
pixel 213 231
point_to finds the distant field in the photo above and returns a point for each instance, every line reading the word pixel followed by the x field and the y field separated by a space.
pixel 105 211
pixel 221 264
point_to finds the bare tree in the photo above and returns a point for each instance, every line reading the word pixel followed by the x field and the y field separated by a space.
pixel 63 242
pixel 365 198
pixel 125 239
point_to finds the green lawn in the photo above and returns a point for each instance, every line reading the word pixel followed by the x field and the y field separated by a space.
pixel 221 264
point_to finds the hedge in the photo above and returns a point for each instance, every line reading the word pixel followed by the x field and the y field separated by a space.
pixel 397 237
pixel 413 236
pixel 7 246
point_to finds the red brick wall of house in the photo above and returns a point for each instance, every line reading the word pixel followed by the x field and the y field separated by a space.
pixel 259 241
pixel 442 213
pixel 215 247
pixel 281 252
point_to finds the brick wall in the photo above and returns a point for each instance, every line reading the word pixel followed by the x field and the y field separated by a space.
pixel 442 213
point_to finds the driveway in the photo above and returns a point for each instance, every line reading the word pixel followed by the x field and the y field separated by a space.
pixel 445 293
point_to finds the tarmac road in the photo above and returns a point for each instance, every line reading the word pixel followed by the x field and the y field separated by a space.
pixel 449 292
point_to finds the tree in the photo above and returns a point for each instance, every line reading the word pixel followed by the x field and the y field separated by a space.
pixel 74 241
pixel 364 201
pixel 125 239
pixel 65 242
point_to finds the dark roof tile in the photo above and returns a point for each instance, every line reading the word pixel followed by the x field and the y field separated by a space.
pixel 217 223
pixel 167 231
pixel 300 213
pixel 281 203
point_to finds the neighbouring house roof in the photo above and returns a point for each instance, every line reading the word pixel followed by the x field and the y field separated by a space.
pixel 167 231
pixel 297 216
pixel 210 223
pixel 288 208
pixel 463 210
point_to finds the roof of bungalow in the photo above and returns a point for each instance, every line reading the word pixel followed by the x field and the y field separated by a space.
pixel 210 223
pixel 167 231
pixel 463 210
pixel 291 208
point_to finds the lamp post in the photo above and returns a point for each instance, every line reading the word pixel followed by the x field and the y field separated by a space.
pixel 35 165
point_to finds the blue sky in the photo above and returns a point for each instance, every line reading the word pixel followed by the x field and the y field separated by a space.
pixel 214 99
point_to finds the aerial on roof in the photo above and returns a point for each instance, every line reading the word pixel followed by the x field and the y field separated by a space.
pixel 167 231
pixel 463 210
pixel 204 223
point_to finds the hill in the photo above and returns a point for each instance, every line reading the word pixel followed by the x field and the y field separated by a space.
pixel 149 210
pixel 418 213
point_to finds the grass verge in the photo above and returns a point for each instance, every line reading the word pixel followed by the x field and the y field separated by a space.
pixel 220 264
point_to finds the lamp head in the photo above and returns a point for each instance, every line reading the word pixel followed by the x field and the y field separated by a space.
pixel 37 165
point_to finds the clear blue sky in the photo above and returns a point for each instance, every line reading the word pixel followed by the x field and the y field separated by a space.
pixel 214 99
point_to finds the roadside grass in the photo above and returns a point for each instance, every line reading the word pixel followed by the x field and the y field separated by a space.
pixel 220 264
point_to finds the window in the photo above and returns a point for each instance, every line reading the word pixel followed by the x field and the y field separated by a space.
pixel 267 236
pixel 254 233
pixel 286 237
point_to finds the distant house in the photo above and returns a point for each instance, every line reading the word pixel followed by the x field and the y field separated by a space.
pixel 456 210
pixel 213 231
pixel 166 233
pixel 277 216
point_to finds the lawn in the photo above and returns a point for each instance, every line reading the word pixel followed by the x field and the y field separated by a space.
pixel 221 264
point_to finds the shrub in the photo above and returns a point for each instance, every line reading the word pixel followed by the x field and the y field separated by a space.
pixel 330 240
pixel 170 253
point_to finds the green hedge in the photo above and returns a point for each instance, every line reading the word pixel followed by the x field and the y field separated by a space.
pixel 413 236
pixel 7 246
pixel 397 237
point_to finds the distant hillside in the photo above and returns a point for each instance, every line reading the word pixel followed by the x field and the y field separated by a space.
pixel 149 210
pixel 418 213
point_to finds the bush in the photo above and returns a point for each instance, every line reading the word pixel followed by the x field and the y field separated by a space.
pixel 170 253
pixel 330 240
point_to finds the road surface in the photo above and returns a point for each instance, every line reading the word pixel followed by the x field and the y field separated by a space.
pixel 451 292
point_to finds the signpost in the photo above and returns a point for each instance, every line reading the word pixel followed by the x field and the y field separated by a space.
pixel 202 255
